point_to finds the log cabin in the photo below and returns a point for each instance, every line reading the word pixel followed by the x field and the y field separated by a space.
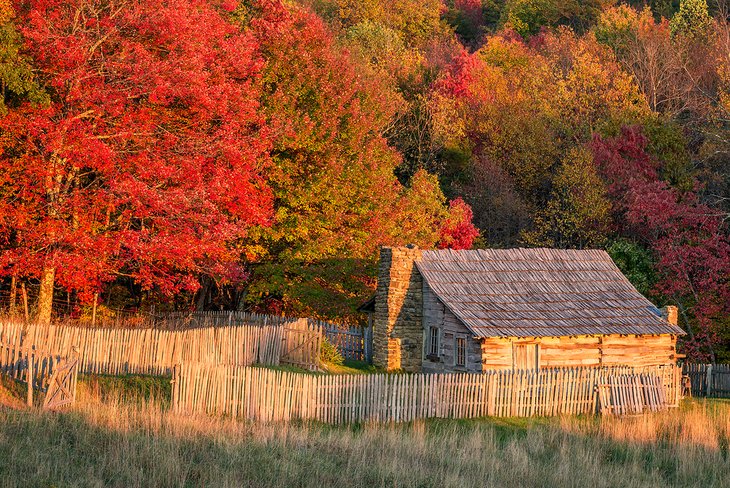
pixel 477 310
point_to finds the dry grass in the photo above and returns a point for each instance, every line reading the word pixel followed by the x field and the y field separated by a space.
pixel 700 424
pixel 110 441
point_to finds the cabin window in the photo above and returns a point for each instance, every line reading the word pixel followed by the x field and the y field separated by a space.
pixel 460 351
pixel 433 343
pixel 525 356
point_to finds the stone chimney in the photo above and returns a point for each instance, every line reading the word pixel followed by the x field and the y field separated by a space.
pixel 670 314
pixel 398 318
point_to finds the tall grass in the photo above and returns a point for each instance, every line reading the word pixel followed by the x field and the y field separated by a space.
pixel 111 440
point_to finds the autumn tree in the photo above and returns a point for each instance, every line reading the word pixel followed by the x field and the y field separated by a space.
pixel 404 72
pixel 457 231
pixel 636 262
pixel 509 114
pixel 147 160
pixel 471 19
pixel 336 196
pixel 692 20
pixel 688 239
pixel 416 21
pixel 17 82
pixel 674 72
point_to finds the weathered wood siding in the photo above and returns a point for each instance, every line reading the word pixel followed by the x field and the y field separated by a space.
pixel 436 315
pixel 566 351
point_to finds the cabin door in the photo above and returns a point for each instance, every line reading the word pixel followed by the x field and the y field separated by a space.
pixel 525 356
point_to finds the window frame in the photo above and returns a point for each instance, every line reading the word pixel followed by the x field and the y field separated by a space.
pixel 457 339
pixel 434 343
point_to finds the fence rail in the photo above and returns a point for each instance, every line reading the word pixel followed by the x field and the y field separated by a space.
pixel 156 351
pixel 188 320
pixel 266 395
pixel 708 379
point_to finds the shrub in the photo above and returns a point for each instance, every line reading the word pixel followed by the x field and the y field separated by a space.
pixel 329 353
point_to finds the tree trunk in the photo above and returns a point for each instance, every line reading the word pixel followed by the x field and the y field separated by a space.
pixel 13 295
pixel 45 295
pixel 203 293
pixel 93 310
pixel 24 292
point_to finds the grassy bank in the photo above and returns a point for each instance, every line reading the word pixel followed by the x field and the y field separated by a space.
pixel 107 441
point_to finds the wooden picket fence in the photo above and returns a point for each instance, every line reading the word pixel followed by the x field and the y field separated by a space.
pixel 709 380
pixel 351 341
pixel 156 351
pixel 27 364
pixel 266 395
pixel 53 374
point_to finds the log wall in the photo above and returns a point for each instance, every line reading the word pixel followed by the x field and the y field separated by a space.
pixel 573 351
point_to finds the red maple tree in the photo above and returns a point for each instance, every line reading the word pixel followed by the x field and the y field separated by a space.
pixel 148 160
pixel 458 231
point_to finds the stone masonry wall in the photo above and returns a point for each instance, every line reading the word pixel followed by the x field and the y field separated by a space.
pixel 670 313
pixel 398 323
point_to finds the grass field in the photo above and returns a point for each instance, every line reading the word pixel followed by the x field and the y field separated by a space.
pixel 119 434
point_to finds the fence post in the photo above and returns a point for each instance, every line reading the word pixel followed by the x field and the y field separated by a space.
pixel 30 378
pixel 93 309
pixel 708 380
pixel 13 293
pixel 24 292
pixel 368 341
pixel 175 381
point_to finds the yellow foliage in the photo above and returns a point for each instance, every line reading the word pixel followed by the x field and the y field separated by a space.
pixel 6 11
pixel 521 107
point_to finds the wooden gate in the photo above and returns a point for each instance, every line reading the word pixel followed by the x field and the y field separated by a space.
pixel 632 394
pixel 61 389
pixel 301 344
pixel 349 341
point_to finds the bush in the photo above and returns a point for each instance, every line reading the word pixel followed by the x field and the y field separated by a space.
pixel 329 353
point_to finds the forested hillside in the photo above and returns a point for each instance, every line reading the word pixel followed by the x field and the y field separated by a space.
pixel 214 154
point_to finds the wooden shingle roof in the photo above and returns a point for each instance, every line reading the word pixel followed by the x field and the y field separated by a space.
pixel 539 292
